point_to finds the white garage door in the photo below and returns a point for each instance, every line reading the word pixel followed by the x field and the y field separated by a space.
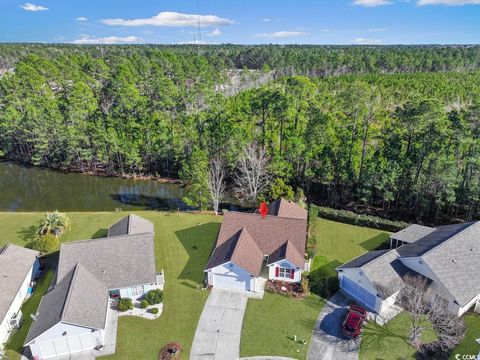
pixel 230 282
pixel 67 345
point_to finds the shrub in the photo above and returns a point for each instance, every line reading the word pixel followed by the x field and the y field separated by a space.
pixel 323 282
pixel 46 243
pixel 154 310
pixel 125 304
pixel 55 223
pixel 350 217
pixel 144 304
pixel 312 222
pixel 154 296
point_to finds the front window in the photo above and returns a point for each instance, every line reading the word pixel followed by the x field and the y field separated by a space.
pixel 285 273
pixel 137 290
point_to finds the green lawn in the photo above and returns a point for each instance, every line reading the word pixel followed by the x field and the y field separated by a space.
pixel 16 341
pixel 338 243
pixel 390 342
pixel 183 243
pixel 271 323
pixel 469 346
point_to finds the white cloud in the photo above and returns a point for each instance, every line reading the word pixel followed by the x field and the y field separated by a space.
pixel 197 42
pixel 266 20
pixel 378 29
pixel 281 34
pixel 172 19
pixel 371 3
pixel 82 18
pixel 33 7
pixel 87 39
pixel 448 2
pixel 363 41
pixel 215 32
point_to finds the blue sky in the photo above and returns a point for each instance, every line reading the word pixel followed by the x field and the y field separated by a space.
pixel 242 21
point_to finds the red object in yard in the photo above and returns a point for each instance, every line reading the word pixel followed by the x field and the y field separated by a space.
pixel 263 209
pixel 352 325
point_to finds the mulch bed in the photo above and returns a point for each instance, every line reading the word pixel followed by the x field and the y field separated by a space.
pixel 285 288
pixel 171 351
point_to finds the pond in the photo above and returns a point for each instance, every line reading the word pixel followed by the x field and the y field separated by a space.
pixel 36 189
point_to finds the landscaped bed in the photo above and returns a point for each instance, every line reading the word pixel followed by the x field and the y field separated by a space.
pixel 183 243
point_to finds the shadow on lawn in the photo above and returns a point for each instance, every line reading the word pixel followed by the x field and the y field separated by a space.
pixel 100 233
pixel 28 233
pixel 199 242
pixel 379 242
pixel 374 335
pixel 324 281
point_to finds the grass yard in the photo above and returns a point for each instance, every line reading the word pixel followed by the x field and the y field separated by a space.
pixel 183 243
pixel 389 342
pixel 338 243
pixel 16 341
pixel 271 323
pixel 469 345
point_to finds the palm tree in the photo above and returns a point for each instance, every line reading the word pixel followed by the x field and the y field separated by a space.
pixel 55 223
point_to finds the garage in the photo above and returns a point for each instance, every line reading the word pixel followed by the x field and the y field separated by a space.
pixel 231 282
pixel 66 345
pixel 358 292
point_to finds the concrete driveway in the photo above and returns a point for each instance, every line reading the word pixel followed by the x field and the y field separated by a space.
pixel 327 342
pixel 219 329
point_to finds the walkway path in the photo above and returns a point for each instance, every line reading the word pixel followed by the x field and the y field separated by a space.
pixel 327 343
pixel 219 329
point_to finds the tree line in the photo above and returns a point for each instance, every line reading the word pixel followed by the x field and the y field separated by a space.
pixel 399 142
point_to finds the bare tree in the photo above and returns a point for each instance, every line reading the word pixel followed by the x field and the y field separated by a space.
pixel 253 175
pixel 428 311
pixel 216 182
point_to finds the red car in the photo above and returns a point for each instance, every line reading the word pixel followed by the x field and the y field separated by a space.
pixel 352 325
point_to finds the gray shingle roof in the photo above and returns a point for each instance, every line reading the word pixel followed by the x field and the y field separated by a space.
pixel 131 224
pixel 412 233
pixel 79 298
pixel 383 268
pixel 432 240
pixel 362 259
pixel 456 262
pixel 15 263
pixel 117 261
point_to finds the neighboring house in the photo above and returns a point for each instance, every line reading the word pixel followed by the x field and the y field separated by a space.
pixel 446 256
pixel 72 317
pixel 18 268
pixel 250 247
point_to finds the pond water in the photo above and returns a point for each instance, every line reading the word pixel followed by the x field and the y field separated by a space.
pixel 35 189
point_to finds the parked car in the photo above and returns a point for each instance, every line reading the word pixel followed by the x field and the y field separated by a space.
pixel 352 325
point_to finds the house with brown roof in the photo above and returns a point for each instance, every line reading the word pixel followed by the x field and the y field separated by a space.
pixel 252 248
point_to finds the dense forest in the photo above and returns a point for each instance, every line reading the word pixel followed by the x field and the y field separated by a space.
pixel 389 130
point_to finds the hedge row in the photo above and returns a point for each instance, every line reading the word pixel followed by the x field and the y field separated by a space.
pixel 350 217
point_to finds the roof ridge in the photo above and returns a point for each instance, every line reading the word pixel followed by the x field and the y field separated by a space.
pixel 266 216
pixel 454 235
pixel 104 238
pixel 386 251
pixel 70 290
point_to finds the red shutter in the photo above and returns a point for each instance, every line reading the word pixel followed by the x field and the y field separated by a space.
pixel 292 274
pixel 277 269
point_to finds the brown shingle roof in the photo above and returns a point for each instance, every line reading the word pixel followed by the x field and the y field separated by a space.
pixel 287 209
pixel 269 234
pixel 247 254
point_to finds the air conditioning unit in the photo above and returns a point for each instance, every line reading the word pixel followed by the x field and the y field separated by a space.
pixel 16 321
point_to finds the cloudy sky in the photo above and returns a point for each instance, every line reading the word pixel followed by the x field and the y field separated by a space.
pixel 241 21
